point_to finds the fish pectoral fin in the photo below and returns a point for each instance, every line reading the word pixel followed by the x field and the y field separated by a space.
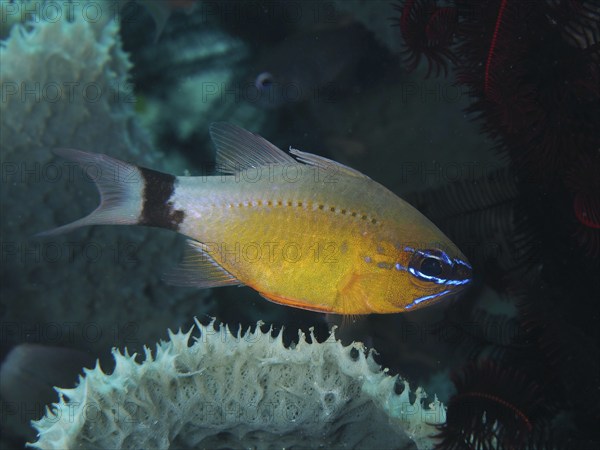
pixel 239 149
pixel 296 303
pixel 325 163
pixel 199 269
pixel 355 294
pixel 350 293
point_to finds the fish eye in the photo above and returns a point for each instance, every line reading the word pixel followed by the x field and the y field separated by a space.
pixel 431 267
pixel 264 80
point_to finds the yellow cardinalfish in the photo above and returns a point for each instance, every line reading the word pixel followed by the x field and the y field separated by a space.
pixel 305 232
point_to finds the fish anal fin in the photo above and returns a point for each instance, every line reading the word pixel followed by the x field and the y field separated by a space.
pixel 297 303
pixel 239 149
pixel 199 269
pixel 325 163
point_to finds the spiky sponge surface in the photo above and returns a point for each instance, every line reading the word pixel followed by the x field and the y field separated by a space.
pixel 245 390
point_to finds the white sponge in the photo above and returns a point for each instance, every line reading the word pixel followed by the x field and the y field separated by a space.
pixel 244 390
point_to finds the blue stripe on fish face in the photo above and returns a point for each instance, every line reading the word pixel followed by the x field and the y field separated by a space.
pixel 457 272
pixel 438 280
pixel 463 263
pixel 425 298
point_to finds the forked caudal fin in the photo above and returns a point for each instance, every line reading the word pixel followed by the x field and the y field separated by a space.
pixel 129 195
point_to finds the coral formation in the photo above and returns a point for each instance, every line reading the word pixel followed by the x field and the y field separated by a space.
pixel 188 79
pixel 65 84
pixel 241 390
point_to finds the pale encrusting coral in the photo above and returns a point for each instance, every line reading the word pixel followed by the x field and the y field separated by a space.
pixel 241 390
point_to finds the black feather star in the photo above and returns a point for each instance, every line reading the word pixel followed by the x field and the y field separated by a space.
pixel 533 69
pixel 494 407
pixel 583 180
pixel 486 218
pixel 428 31
pixel 565 340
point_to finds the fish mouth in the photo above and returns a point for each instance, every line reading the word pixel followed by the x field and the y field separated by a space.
pixel 462 272
pixel 460 277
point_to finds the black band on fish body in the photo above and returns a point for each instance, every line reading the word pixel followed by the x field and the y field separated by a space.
pixel 157 209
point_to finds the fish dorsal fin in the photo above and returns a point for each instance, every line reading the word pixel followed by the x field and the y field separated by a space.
pixel 239 149
pixel 199 269
pixel 325 163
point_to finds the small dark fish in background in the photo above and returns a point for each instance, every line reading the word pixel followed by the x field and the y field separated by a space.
pixel 310 66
